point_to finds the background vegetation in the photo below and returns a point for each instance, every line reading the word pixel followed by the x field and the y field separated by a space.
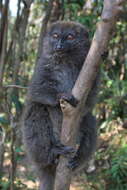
pixel 20 44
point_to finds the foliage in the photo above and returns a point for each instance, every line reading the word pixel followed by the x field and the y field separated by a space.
pixel 118 173
pixel 111 160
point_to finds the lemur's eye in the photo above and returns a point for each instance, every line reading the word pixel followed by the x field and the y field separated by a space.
pixel 55 35
pixel 70 37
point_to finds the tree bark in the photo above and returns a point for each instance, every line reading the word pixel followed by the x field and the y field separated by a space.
pixel 57 11
pixel 3 37
pixel 44 27
pixel 2 149
pixel 71 116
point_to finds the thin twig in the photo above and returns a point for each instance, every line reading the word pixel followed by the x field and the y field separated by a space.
pixel 15 86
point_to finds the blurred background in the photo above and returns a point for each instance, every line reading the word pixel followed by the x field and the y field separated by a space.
pixel 22 26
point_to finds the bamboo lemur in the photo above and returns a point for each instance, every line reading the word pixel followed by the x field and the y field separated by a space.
pixel 65 47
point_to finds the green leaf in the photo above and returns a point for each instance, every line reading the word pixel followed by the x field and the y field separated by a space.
pixel 4 121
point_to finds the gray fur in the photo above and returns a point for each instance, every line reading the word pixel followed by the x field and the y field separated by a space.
pixel 56 73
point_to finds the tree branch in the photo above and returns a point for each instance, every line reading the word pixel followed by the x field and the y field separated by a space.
pixel 71 116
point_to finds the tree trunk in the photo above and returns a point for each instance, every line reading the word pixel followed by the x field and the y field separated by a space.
pixel 71 116
pixel 3 37
pixel 44 27
pixel 2 148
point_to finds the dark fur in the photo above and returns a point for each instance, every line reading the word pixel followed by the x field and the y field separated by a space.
pixel 56 73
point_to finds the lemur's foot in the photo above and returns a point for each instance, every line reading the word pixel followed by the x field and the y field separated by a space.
pixel 73 163
pixel 69 98
pixel 59 150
